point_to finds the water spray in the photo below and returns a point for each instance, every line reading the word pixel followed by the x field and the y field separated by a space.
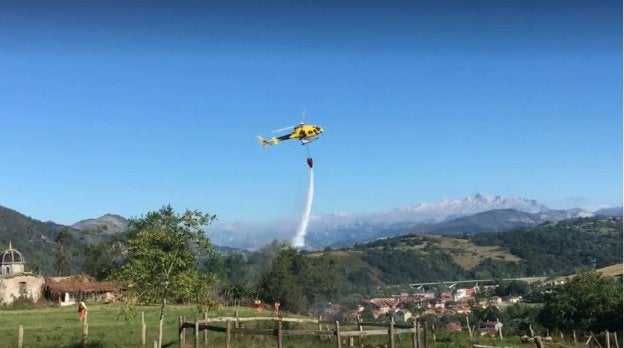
pixel 299 240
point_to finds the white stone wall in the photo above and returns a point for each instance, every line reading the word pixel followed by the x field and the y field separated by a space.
pixel 10 287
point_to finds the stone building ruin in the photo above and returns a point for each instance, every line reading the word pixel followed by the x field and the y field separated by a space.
pixel 15 282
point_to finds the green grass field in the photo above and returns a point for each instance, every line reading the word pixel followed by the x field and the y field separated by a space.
pixel 60 327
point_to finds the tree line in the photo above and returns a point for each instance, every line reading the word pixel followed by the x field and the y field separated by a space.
pixel 166 257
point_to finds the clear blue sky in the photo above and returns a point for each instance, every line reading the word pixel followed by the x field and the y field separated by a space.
pixel 121 107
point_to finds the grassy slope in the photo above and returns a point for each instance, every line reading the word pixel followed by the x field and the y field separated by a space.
pixel 611 271
pixel 465 253
pixel 59 327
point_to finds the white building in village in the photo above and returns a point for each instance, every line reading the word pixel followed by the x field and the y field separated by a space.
pixel 14 281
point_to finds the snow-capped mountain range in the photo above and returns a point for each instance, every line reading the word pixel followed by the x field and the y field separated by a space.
pixel 343 229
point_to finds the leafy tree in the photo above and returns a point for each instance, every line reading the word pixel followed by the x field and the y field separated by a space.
pixel 280 283
pixel 102 259
pixel 512 288
pixel 62 240
pixel 521 318
pixel 299 281
pixel 162 260
pixel 589 302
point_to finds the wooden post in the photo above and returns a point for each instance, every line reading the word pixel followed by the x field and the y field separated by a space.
pixel 469 329
pixel 360 329
pixel 85 333
pixel 608 338
pixel 415 335
pixel 181 332
pixel 205 331
pixel 538 342
pixel 228 328
pixel 338 340
pixel 20 336
pixel 595 339
pixel 236 322
pixel 391 333
pixel 320 326
pixel 279 333
pixel 418 333
pixel 196 334
pixel 143 329
pixel 425 345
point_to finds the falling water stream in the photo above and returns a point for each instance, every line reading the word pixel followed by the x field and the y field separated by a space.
pixel 299 240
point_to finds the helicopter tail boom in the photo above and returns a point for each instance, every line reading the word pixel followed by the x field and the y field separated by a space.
pixel 266 143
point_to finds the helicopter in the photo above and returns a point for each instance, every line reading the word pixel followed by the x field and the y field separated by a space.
pixel 306 133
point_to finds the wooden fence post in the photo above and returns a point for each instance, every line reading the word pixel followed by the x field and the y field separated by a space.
pixel 20 336
pixel 418 333
pixel 414 334
pixel 228 328
pixel 391 333
pixel 236 322
pixel 85 333
pixel 538 342
pixel 338 341
pixel 205 330
pixel 181 331
pixel 143 329
pixel 360 329
pixel 469 329
pixel 196 334
pixel 595 339
pixel 279 333
pixel 425 335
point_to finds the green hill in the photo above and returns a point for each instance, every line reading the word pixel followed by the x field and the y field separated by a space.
pixel 34 239
pixel 545 250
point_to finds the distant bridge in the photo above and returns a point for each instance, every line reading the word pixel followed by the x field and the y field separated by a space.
pixel 452 283
pixel 610 271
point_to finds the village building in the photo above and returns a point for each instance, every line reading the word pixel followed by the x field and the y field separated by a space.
pixel 381 306
pixel 67 291
pixel 453 327
pixel 402 315
pixel 15 282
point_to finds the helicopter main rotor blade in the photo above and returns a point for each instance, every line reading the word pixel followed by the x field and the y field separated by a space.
pixel 283 129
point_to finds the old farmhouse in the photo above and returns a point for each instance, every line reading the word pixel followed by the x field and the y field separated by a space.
pixel 16 283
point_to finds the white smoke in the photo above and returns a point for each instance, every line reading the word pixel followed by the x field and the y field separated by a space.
pixel 299 240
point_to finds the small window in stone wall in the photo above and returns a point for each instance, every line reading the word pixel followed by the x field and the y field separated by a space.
pixel 23 291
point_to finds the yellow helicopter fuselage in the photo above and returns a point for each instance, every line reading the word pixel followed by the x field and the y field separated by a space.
pixel 304 132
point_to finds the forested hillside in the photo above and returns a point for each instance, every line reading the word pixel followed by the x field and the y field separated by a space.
pixel 546 250
pixel 33 238
pixel 39 243
pixel 563 247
